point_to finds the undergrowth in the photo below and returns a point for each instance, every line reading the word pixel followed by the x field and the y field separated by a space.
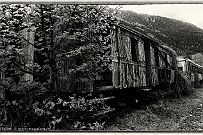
pixel 42 110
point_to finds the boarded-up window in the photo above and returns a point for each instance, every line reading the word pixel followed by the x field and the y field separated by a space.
pixel 121 48
pixel 134 49
pixel 124 46
pixel 141 52
pixel 142 68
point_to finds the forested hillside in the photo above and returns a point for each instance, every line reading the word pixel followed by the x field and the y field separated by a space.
pixel 184 37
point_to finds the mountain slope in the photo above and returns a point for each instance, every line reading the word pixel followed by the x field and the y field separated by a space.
pixel 184 38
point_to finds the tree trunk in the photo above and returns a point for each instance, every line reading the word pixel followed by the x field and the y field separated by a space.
pixel 53 61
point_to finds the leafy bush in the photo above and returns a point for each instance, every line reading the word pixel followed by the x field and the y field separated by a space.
pixel 54 113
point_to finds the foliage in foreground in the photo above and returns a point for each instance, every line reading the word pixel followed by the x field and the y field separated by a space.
pixel 55 113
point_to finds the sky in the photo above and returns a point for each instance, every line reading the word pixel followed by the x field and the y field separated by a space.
pixel 192 13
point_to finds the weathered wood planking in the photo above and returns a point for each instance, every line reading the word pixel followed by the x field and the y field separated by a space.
pixel 127 73
pixel 152 65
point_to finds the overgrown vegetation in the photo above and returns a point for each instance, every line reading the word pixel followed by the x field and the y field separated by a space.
pixel 62 33
pixel 75 37
pixel 54 113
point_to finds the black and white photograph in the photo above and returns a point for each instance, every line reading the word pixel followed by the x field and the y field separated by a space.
pixel 101 67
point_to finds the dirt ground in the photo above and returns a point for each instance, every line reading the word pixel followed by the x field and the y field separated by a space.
pixel 185 114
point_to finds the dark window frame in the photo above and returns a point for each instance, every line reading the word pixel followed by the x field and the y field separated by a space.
pixel 134 49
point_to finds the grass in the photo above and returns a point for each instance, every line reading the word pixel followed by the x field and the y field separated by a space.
pixel 184 114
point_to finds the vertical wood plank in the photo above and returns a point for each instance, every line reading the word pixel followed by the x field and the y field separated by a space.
pixel 141 68
pixel 119 45
pixel 141 52
pixel 114 58
pixel 142 76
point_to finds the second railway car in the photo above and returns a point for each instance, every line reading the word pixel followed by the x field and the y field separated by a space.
pixel 192 70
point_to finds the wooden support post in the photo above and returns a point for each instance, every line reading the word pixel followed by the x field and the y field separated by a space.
pixel 119 57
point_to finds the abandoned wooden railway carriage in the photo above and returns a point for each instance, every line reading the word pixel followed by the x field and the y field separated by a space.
pixel 192 70
pixel 137 61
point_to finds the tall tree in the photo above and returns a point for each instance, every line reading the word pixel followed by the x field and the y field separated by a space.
pixel 64 33
pixel 12 55
pixel 69 32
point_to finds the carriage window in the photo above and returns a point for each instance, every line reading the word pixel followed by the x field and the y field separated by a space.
pixel 134 49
